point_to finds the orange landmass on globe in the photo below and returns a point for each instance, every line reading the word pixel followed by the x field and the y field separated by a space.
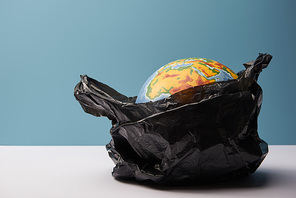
pixel 171 80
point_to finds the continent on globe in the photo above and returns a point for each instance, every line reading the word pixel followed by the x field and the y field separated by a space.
pixel 183 74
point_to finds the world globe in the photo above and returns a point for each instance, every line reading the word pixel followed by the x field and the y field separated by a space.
pixel 180 75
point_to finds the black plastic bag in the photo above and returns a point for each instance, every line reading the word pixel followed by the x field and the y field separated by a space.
pixel 200 134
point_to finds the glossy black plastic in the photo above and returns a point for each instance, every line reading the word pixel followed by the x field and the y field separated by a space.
pixel 200 134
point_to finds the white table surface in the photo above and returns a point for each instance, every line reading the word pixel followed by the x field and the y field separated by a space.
pixel 85 172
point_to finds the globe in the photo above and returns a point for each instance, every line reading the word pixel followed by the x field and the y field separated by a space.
pixel 180 75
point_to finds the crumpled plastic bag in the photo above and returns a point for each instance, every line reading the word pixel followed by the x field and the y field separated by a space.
pixel 200 134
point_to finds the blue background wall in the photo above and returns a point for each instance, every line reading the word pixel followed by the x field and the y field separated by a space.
pixel 46 45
